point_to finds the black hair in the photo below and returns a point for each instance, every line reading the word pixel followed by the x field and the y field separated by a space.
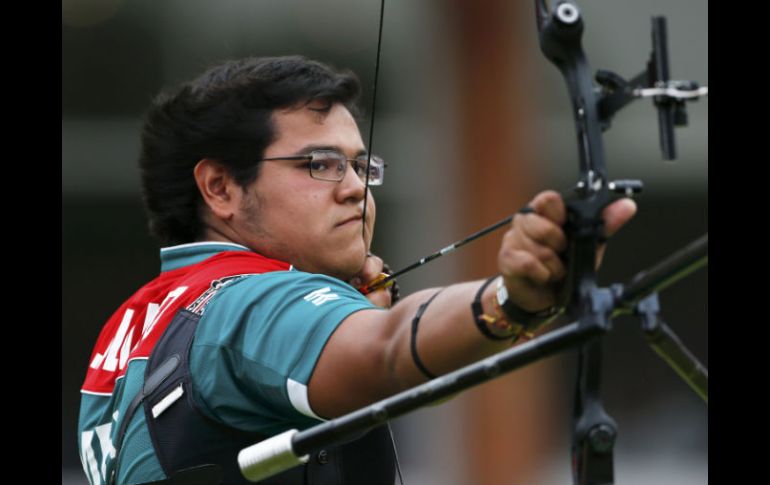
pixel 225 115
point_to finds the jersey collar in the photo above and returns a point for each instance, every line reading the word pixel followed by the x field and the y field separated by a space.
pixel 175 257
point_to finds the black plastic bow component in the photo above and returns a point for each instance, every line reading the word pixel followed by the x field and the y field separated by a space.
pixel 560 31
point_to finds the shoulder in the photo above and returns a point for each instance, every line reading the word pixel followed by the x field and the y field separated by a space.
pixel 269 305
pixel 279 286
pixel 258 342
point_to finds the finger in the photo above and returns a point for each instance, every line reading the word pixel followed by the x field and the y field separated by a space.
pixel 546 255
pixel 617 214
pixel 550 205
pixel 542 230
pixel 372 268
pixel 522 265
pixel 600 250
pixel 552 262
pixel 381 297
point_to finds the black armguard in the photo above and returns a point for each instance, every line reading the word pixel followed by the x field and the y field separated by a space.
pixel 413 341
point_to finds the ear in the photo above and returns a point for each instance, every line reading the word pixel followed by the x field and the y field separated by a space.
pixel 219 190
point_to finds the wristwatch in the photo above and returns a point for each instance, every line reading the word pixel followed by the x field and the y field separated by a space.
pixel 514 314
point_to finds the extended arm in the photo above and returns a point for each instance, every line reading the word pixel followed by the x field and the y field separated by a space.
pixel 369 356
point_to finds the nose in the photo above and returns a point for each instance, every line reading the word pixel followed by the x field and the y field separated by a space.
pixel 351 186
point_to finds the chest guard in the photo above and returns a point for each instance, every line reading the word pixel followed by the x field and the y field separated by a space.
pixel 195 450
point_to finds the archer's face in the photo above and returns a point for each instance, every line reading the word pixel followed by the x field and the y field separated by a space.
pixel 315 225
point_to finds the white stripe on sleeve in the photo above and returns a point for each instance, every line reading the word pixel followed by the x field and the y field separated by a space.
pixel 298 397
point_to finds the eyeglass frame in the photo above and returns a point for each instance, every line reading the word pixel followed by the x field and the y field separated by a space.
pixel 354 162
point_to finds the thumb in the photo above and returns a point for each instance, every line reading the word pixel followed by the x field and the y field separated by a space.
pixel 617 214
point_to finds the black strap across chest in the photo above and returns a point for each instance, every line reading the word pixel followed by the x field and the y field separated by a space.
pixel 195 450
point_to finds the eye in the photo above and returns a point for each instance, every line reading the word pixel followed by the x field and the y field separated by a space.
pixel 375 167
pixel 319 166
pixel 360 167
pixel 327 163
pixel 321 161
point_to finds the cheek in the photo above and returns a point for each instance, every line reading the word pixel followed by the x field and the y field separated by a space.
pixel 304 212
pixel 293 206
pixel 371 207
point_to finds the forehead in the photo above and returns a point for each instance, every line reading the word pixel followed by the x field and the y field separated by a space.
pixel 299 127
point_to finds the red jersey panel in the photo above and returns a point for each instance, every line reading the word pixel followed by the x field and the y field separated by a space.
pixel 136 326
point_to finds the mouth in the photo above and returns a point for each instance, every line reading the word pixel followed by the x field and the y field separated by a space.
pixel 350 221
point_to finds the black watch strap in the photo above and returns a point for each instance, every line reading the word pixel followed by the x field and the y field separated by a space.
pixel 515 314
pixel 478 311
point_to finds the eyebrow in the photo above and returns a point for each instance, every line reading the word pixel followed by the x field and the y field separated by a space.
pixel 309 148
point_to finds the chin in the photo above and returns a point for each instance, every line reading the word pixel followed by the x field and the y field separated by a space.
pixel 348 264
pixel 350 267
pixel 342 265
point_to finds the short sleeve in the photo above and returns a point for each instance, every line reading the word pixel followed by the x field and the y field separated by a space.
pixel 258 342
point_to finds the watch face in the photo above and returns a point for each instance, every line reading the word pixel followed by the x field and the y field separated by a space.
pixel 502 294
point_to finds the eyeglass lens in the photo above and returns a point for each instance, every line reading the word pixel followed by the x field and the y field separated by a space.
pixel 331 165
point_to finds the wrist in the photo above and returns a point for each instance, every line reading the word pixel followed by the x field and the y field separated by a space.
pixel 491 325
pixel 515 314
pixel 507 321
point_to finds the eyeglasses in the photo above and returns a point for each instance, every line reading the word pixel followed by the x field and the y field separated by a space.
pixel 331 166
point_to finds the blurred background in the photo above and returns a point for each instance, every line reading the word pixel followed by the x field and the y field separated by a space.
pixel 473 122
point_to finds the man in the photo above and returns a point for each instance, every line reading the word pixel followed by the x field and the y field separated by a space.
pixel 254 181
